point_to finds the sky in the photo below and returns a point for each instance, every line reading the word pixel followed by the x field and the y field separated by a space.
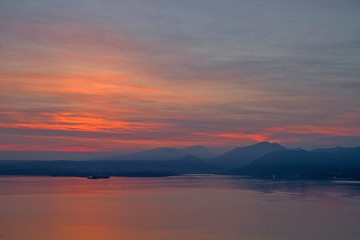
pixel 109 75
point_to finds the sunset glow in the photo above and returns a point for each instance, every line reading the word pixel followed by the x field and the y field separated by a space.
pixel 84 76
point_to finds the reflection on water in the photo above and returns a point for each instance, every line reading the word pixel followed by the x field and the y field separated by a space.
pixel 192 207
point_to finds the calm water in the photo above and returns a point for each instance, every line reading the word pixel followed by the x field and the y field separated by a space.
pixel 192 207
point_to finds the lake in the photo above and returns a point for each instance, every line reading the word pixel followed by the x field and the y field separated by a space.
pixel 194 207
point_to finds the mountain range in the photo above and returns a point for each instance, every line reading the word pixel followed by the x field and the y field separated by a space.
pixel 241 156
pixel 266 160
pixel 165 153
pixel 324 163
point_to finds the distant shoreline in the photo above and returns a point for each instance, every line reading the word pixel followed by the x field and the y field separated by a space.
pixel 152 175
pixel 97 176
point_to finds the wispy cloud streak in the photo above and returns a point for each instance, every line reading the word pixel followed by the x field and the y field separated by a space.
pixel 108 75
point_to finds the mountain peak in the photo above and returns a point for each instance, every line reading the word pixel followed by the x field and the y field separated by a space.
pixel 242 156
pixel 266 144
pixel 196 147
pixel 262 143
pixel 199 151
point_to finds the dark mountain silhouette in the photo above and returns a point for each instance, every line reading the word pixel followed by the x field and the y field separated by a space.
pixel 185 165
pixel 301 164
pixel 350 156
pixel 190 159
pixel 263 160
pixel 163 154
pixel 330 150
pixel 199 151
pixel 242 156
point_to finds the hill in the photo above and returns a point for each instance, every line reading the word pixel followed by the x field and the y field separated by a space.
pixel 301 164
pixel 185 165
pixel 164 154
pixel 242 156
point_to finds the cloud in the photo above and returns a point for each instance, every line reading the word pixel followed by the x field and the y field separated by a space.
pixel 124 74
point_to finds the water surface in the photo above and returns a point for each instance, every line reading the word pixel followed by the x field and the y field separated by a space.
pixel 195 207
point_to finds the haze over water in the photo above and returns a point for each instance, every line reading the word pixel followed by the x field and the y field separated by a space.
pixel 183 207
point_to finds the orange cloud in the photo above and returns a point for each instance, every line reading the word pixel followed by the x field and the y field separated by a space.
pixel 240 136
pixel 71 77
pixel 81 122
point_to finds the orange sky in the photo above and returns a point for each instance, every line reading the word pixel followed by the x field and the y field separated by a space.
pixel 107 76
